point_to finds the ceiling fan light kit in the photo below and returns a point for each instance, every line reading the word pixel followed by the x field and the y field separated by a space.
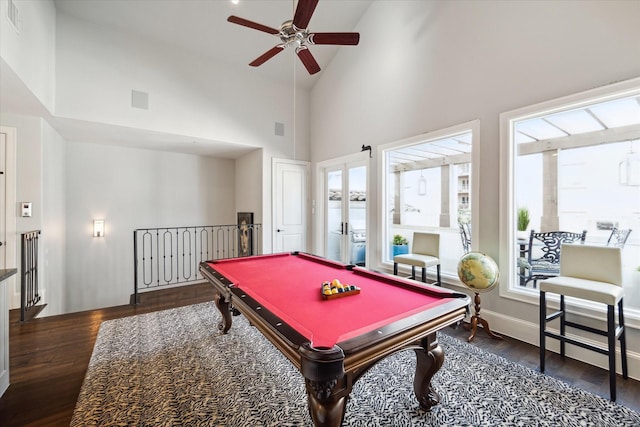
pixel 294 33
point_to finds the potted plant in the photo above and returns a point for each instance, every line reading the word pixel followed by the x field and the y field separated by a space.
pixel 400 245
pixel 523 222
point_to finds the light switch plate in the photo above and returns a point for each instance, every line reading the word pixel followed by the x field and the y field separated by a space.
pixel 25 209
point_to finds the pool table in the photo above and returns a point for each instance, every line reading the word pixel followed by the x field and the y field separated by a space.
pixel 333 342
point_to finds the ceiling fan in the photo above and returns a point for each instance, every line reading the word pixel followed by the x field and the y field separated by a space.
pixel 294 33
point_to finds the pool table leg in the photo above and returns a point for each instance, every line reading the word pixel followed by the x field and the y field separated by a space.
pixel 325 379
pixel 325 412
pixel 225 309
pixel 429 360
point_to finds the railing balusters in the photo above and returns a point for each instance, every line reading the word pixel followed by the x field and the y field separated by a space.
pixel 29 293
pixel 204 244
pixel 186 246
pixel 147 266
pixel 167 278
pixel 158 256
pixel 178 263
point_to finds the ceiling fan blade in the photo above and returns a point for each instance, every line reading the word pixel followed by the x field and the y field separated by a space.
pixel 304 10
pixel 308 60
pixel 335 38
pixel 251 24
pixel 267 56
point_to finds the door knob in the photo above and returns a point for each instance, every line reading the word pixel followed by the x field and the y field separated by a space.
pixel 278 230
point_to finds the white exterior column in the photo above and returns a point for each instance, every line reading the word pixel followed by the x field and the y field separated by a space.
pixel 550 220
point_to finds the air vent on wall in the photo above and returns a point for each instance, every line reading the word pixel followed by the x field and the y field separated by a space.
pixel 279 129
pixel 140 99
pixel 12 13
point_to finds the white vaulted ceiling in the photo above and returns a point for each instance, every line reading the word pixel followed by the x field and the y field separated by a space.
pixel 201 27
pixel 194 29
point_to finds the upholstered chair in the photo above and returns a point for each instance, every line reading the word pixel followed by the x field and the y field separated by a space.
pixel 591 273
pixel 425 252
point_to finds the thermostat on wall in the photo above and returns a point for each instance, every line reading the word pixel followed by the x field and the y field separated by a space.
pixel 26 209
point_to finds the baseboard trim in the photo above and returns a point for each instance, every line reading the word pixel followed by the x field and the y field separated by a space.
pixel 4 382
pixel 529 332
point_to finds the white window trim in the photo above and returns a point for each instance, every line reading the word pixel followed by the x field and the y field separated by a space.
pixel 474 127
pixel 507 200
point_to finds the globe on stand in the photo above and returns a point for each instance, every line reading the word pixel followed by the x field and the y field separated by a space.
pixel 480 273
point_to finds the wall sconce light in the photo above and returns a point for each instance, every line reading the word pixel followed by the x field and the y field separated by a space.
pixel 98 228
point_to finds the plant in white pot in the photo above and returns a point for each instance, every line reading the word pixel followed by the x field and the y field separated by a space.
pixel 523 223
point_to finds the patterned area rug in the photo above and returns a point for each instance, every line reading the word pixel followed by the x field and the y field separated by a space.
pixel 172 368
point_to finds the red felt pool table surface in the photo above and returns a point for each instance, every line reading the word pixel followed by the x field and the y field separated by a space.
pixel 289 285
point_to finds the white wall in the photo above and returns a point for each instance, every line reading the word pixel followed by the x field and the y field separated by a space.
pixel 70 184
pixel 424 65
pixel 97 68
pixel 132 189
pixel 85 72
pixel 465 60
pixel 188 95
pixel 248 191
pixel 29 170
pixel 30 51
pixel 53 238
pixel 29 132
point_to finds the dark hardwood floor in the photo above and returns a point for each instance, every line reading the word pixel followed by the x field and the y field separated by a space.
pixel 571 371
pixel 49 358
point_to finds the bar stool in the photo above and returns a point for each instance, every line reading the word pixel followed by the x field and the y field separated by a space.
pixel 592 273
pixel 425 252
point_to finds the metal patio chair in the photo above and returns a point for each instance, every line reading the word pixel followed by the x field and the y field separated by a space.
pixel 542 258
pixel 618 237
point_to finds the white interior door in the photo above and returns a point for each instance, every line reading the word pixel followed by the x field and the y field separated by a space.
pixel 290 205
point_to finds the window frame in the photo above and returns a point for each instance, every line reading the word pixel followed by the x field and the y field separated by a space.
pixel 472 126
pixel 508 209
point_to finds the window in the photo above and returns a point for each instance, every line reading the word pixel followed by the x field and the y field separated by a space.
pixel 427 187
pixel 570 162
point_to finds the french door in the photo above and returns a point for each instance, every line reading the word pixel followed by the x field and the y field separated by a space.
pixel 345 202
